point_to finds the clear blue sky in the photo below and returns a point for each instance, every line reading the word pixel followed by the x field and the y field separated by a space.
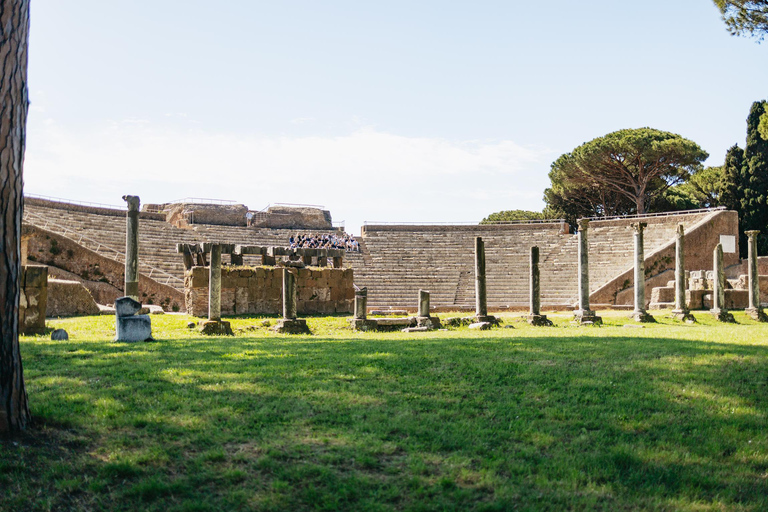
pixel 381 111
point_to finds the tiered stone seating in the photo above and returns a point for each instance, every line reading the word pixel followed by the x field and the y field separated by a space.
pixel 396 261
pixel 103 230
pixel 403 259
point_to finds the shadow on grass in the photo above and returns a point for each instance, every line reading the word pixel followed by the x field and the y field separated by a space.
pixel 382 424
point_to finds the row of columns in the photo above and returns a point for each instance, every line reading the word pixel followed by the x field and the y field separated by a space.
pixel 585 315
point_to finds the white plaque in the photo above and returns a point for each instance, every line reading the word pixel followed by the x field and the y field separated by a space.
pixel 729 243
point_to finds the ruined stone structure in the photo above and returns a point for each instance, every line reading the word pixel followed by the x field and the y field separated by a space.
pixel 259 291
pixel 397 261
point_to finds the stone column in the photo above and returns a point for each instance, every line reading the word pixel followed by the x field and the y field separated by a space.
pixel 423 303
pixel 214 284
pixel 481 305
pixel 289 294
pixel 640 314
pixel 718 293
pixel 215 325
pixel 534 315
pixel 361 304
pixel 681 311
pixel 755 311
pixel 289 324
pixel 584 314
pixel 132 247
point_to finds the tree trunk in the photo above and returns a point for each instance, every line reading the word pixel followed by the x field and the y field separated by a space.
pixel 14 31
pixel 640 204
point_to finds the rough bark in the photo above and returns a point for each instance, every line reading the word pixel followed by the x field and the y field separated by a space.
pixel 14 30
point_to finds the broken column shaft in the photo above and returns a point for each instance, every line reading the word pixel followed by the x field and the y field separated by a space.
pixel 681 311
pixel 755 311
pixel 132 247
pixel 584 314
pixel 534 315
pixel 640 314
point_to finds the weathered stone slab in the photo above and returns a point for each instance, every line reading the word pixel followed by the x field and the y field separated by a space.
pixel 482 326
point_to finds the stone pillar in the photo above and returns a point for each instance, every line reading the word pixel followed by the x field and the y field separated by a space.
pixel 640 314
pixel 681 311
pixel 132 247
pixel 534 315
pixel 424 303
pixel 481 304
pixel 481 297
pixel 424 319
pixel 361 304
pixel 718 292
pixel 755 311
pixel 584 314
pixel 289 324
pixel 289 294
pixel 214 284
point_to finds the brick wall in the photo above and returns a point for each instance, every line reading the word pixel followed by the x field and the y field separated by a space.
pixel 258 290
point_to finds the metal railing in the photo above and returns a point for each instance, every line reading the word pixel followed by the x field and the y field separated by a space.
pixel 100 248
pixel 202 200
pixel 658 214
pixel 495 222
pixel 294 205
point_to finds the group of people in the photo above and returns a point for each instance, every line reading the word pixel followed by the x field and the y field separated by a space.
pixel 324 241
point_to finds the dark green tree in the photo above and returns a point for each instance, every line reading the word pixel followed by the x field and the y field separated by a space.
pixel 512 215
pixel 730 180
pixel 754 178
pixel 745 17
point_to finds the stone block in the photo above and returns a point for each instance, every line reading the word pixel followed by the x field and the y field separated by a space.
pixel 292 326
pixel 35 276
pixel 199 277
pixel 216 328
pixel 134 328
pixel 662 294
pixel 126 306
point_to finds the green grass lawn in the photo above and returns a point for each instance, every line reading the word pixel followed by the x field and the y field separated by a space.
pixel 667 417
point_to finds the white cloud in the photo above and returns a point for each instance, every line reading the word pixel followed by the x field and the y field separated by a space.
pixel 366 174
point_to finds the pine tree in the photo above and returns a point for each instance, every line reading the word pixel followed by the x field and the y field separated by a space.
pixel 754 178
pixel 730 181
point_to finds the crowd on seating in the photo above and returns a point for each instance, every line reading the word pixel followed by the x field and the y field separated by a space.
pixel 324 241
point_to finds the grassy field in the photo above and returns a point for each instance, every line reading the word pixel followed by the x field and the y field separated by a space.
pixel 665 417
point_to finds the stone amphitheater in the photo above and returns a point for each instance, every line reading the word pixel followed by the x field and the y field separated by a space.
pixel 88 242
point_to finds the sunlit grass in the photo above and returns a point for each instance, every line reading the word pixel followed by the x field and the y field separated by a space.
pixel 668 416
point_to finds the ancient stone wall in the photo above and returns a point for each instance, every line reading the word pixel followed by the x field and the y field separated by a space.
pixel 69 298
pixel 289 217
pixel 185 214
pixel 258 291
pixel 34 298
pixel 58 251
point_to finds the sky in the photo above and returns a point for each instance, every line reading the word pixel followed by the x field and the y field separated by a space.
pixel 388 111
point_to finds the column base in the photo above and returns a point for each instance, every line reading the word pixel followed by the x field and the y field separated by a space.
pixel 292 326
pixel 362 324
pixel 539 321
pixel 486 318
pixel 586 317
pixel 723 315
pixel 642 316
pixel 216 328
pixel 757 314
pixel 683 315
pixel 430 322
